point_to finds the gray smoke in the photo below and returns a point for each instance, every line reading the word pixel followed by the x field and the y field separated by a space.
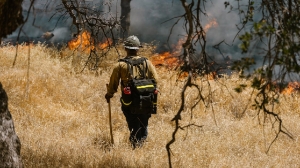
pixel 150 21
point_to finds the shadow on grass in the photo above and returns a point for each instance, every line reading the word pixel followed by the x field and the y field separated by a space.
pixel 53 159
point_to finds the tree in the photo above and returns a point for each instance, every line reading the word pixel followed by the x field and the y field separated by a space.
pixel 125 17
pixel 10 21
pixel 275 26
pixel 101 27
pixel 10 142
pixel 195 36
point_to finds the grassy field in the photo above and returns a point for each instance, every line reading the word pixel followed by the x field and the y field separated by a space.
pixel 61 117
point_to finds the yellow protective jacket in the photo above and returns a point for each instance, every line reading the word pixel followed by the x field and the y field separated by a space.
pixel 121 71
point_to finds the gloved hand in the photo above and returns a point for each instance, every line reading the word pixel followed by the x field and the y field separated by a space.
pixel 108 96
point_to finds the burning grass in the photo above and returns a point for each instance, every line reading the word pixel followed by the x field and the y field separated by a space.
pixel 292 87
pixel 85 43
pixel 61 117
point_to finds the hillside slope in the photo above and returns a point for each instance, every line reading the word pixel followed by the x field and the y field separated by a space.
pixel 61 117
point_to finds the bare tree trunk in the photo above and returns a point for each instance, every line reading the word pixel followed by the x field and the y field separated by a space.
pixel 10 16
pixel 10 145
pixel 125 17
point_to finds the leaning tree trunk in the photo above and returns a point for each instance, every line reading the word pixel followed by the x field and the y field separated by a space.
pixel 10 16
pixel 125 17
pixel 10 145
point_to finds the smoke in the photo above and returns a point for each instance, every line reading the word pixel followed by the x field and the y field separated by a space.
pixel 42 20
pixel 60 34
pixel 148 19
pixel 151 21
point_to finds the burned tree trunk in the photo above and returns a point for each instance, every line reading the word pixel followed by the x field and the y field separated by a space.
pixel 125 17
pixel 10 16
pixel 10 145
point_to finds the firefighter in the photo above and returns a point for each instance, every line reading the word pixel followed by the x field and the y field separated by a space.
pixel 137 123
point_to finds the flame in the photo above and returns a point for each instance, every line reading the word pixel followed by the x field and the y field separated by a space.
pixel 291 88
pixel 165 58
pixel 106 44
pixel 169 59
pixel 82 42
pixel 183 75
pixel 212 75
pixel 212 23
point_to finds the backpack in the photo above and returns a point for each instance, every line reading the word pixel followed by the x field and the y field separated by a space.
pixel 140 95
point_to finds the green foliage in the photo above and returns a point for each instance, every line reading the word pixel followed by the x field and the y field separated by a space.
pixel 274 34
pixel 262 29
pixel 256 83
pixel 246 38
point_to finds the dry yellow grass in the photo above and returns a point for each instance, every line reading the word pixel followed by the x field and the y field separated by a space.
pixel 61 118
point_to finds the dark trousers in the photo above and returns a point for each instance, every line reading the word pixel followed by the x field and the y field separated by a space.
pixel 137 125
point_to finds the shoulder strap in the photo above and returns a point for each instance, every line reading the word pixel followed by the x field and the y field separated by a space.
pixel 139 63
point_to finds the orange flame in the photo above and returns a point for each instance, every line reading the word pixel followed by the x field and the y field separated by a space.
pixel 291 88
pixel 82 42
pixel 165 58
pixel 170 58
pixel 106 44
pixel 213 23
pixel 212 75
pixel 183 75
